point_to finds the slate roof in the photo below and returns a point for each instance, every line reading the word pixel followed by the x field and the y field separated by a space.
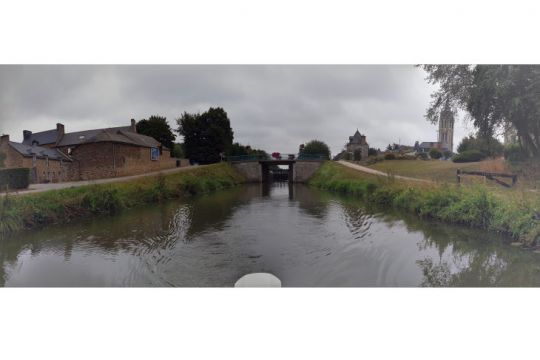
pixel 122 135
pixel 40 152
pixel 428 144
pixel 42 138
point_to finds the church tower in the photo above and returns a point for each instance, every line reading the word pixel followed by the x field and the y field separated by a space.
pixel 446 128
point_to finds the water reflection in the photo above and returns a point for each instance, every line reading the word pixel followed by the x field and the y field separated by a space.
pixel 304 236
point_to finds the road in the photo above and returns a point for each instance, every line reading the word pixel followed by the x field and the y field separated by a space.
pixel 39 188
pixel 379 173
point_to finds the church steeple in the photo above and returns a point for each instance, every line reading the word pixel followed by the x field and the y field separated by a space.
pixel 446 128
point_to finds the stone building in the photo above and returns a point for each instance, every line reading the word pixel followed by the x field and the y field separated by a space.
pixel 357 142
pixel 46 164
pixel 88 155
pixel 445 141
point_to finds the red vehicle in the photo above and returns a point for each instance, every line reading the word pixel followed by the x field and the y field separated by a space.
pixel 276 155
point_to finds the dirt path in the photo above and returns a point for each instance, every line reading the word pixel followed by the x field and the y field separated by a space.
pixel 377 172
pixel 39 188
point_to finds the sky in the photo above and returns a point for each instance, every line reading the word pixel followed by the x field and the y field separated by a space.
pixel 271 107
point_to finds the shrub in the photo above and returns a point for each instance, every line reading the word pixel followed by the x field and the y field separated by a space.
pixel 372 152
pixel 468 156
pixel 435 154
pixel 374 159
pixel 487 146
pixel 16 178
pixel 447 154
pixel 422 156
pixel 514 153
pixel 390 156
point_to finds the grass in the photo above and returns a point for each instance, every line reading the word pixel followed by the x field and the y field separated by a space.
pixel 436 170
pixel 62 206
pixel 476 205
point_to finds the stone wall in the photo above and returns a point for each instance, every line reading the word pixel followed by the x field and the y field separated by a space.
pixel 251 170
pixel 304 170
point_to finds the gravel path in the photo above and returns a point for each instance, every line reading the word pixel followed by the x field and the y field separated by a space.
pixel 38 188
pixel 377 172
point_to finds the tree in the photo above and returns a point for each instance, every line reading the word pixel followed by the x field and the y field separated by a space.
pixel 206 135
pixel 317 147
pixel 157 127
pixel 372 152
pixel 239 150
pixel 494 96
pixel 489 147
pixel 178 151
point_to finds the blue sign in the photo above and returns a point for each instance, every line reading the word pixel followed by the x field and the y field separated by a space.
pixel 154 154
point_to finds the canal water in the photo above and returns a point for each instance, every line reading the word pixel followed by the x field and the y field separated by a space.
pixel 306 237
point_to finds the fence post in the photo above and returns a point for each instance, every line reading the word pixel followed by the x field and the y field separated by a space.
pixel 458 177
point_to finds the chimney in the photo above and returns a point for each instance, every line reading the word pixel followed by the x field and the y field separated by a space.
pixel 133 125
pixel 4 139
pixel 27 135
pixel 60 131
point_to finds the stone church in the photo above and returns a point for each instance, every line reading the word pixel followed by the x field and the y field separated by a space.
pixel 357 142
pixel 445 138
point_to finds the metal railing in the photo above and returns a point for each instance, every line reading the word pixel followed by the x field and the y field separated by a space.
pixel 305 157
pixel 312 157
pixel 241 158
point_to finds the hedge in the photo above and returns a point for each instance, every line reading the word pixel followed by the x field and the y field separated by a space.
pixel 16 178
pixel 468 156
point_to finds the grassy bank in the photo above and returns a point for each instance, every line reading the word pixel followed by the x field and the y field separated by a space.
pixel 62 206
pixel 474 206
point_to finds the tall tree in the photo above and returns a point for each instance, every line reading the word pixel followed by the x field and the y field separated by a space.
pixel 316 147
pixel 495 97
pixel 157 127
pixel 206 135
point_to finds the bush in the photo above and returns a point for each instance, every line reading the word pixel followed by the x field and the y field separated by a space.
pixel 435 154
pixel 514 153
pixel 372 152
pixel 16 178
pixel 390 156
pixel 488 147
pixel 447 154
pixel 469 156
pixel 374 159
pixel 422 156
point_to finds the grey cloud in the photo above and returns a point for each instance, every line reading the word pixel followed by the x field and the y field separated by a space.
pixel 271 107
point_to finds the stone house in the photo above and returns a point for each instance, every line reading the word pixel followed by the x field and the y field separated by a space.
pixel 46 164
pixel 93 154
pixel 357 142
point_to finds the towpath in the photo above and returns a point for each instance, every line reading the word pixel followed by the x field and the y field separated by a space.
pixel 379 173
pixel 38 188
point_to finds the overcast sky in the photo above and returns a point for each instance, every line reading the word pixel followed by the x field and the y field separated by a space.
pixel 272 107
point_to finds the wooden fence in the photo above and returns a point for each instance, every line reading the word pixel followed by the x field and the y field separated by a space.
pixel 489 176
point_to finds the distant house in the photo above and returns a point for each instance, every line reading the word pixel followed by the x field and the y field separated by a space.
pixel 91 154
pixel 357 142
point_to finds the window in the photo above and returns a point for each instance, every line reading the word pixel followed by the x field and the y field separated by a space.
pixel 154 154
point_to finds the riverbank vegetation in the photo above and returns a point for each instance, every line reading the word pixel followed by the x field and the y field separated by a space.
pixel 476 205
pixel 62 206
